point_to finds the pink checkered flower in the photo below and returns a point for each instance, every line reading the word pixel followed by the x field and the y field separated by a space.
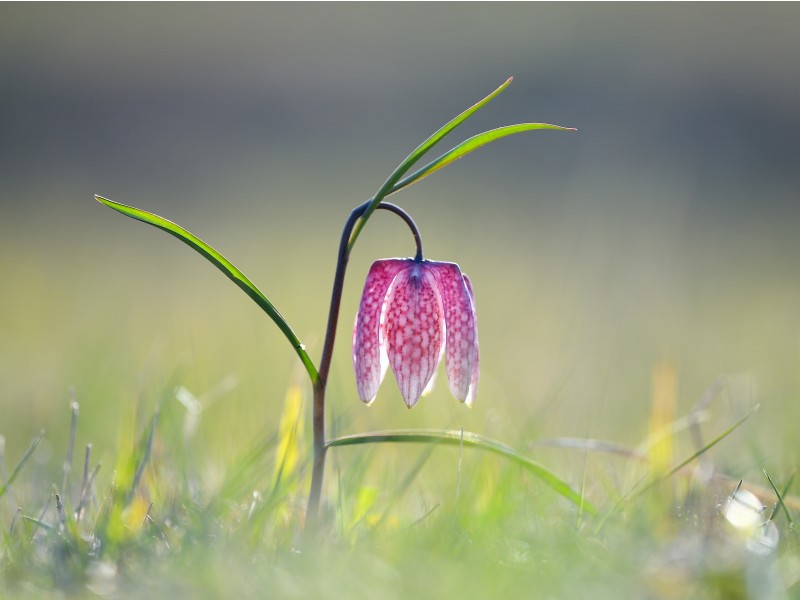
pixel 413 311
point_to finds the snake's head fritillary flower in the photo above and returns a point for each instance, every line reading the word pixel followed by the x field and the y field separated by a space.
pixel 413 311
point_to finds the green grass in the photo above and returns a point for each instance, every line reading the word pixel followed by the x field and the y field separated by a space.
pixel 610 454
pixel 400 521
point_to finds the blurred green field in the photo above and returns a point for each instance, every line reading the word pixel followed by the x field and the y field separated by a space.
pixel 622 274
pixel 571 329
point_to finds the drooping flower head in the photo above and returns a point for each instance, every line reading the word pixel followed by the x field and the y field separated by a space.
pixel 411 312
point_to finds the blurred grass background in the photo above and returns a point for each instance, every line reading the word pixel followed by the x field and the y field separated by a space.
pixel 665 228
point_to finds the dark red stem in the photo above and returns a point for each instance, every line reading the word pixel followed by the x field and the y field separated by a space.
pixel 320 448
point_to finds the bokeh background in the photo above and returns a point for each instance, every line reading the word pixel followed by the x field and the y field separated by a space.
pixel 666 228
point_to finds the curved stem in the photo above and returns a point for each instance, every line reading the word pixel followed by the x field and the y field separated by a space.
pixel 318 418
pixel 409 221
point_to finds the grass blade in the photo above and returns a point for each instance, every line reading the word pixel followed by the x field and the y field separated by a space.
pixel 588 444
pixel 21 463
pixel 467 439
pixel 240 476
pixel 412 158
pixel 713 442
pixel 780 497
pixel 143 455
pixel 646 483
pixel 224 265
pixel 38 523
pixel 73 429
pixel 405 483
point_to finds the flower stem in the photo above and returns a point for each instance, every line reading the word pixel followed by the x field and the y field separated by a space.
pixel 318 471
pixel 409 221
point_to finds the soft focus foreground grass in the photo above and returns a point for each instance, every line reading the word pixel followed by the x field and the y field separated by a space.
pixel 576 315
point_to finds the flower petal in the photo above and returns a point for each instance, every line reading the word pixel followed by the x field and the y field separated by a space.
pixel 432 382
pixel 461 352
pixel 414 330
pixel 473 382
pixel 369 358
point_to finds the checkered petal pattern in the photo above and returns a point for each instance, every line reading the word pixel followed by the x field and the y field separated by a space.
pixel 411 313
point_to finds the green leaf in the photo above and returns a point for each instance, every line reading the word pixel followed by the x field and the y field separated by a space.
pixel 224 265
pixel 412 158
pixel 471 145
pixel 473 440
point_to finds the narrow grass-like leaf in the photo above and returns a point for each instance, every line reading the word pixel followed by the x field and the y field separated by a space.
pixel 241 476
pixel 290 433
pixel 73 429
pixel 644 484
pixel 34 444
pixel 7 536
pixel 713 442
pixel 143 455
pixel 468 146
pixel 405 483
pixel 39 523
pixel 224 265
pixel 412 158
pixel 785 494
pixel 472 440
pixel 780 498
pixel 593 445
